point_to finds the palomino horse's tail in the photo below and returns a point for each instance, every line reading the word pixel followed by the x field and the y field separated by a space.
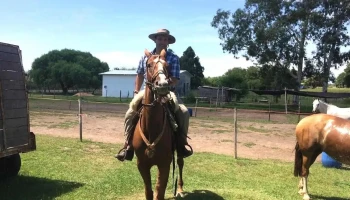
pixel 298 161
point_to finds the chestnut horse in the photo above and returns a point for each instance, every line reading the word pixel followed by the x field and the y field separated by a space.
pixel 153 139
pixel 315 134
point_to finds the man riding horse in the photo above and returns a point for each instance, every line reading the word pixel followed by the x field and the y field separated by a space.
pixel 162 39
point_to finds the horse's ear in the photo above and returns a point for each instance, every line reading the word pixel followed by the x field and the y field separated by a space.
pixel 147 53
pixel 163 54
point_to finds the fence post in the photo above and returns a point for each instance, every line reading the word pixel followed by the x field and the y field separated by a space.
pixel 80 120
pixel 235 122
pixel 299 112
pixel 217 99
pixel 195 109
pixel 269 111
pixel 285 99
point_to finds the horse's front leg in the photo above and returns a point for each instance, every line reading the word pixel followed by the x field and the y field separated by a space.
pixel 145 172
pixel 162 181
pixel 180 183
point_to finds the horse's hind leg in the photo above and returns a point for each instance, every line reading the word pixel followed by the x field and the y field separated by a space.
pixel 145 172
pixel 162 181
pixel 307 162
pixel 180 183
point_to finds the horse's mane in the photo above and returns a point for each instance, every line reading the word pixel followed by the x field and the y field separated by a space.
pixel 328 104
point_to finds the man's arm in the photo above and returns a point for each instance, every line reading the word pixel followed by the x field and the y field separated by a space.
pixel 175 71
pixel 140 75
pixel 138 82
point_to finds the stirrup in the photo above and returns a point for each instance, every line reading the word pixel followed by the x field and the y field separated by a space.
pixel 125 154
pixel 191 151
pixel 182 153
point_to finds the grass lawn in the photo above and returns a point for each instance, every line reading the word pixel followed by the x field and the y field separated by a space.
pixel 64 168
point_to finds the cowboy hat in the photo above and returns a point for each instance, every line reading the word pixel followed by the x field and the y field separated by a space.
pixel 163 32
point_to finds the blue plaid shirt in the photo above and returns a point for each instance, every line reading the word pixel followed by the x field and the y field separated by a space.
pixel 172 60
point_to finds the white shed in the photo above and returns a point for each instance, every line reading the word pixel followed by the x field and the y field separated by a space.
pixel 122 82
pixel 118 82
pixel 183 87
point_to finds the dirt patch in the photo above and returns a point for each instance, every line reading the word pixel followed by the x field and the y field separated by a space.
pixel 83 94
pixel 211 131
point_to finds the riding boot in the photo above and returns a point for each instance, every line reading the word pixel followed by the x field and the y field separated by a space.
pixel 182 151
pixel 182 116
pixel 127 152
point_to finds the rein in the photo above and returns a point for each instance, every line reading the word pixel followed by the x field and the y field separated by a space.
pixel 150 147
pixel 150 151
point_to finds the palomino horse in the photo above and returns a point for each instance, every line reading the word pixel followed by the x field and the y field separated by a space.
pixel 315 134
pixel 153 139
pixel 323 107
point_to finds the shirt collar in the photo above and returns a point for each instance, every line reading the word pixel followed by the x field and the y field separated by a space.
pixel 167 51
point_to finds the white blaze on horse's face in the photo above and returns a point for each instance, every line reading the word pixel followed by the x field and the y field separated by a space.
pixel 161 81
pixel 315 105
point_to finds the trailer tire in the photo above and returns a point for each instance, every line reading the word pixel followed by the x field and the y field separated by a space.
pixel 10 166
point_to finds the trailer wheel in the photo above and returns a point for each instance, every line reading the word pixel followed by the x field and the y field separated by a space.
pixel 10 166
pixel 13 164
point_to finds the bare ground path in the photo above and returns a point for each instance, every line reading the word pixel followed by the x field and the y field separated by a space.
pixel 211 131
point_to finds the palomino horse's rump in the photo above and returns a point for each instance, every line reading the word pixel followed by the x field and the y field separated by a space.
pixel 326 133
pixel 316 134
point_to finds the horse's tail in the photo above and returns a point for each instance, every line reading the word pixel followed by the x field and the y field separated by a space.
pixel 298 161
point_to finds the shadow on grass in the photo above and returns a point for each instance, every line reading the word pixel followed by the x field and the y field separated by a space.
pixel 326 198
pixel 25 187
pixel 200 195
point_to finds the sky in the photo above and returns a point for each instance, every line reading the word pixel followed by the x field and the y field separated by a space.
pixel 117 31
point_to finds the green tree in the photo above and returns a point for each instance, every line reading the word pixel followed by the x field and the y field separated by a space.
pixel 345 76
pixel 276 78
pixel 235 78
pixel 276 33
pixel 272 32
pixel 253 78
pixel 340 80
pixel 330 23
pixel 190 62
pixel 211 81
pixel 68 68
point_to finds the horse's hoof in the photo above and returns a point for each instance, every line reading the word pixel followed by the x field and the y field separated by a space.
pixel 301 193
pixel 180 194
pixel 306 197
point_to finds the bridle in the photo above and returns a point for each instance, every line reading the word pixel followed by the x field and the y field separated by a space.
pixel 159 92
pixel 159 96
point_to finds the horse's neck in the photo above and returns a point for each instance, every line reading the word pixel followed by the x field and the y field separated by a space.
pixel 324 107
pixel 328 107
pixel 152 117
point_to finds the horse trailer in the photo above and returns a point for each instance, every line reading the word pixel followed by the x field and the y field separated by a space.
pixel 15 134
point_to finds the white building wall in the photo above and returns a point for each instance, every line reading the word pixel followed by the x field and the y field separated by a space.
pixel 117 83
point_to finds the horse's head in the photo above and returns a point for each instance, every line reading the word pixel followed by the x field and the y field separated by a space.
pixel 157 73
pixel 315 106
